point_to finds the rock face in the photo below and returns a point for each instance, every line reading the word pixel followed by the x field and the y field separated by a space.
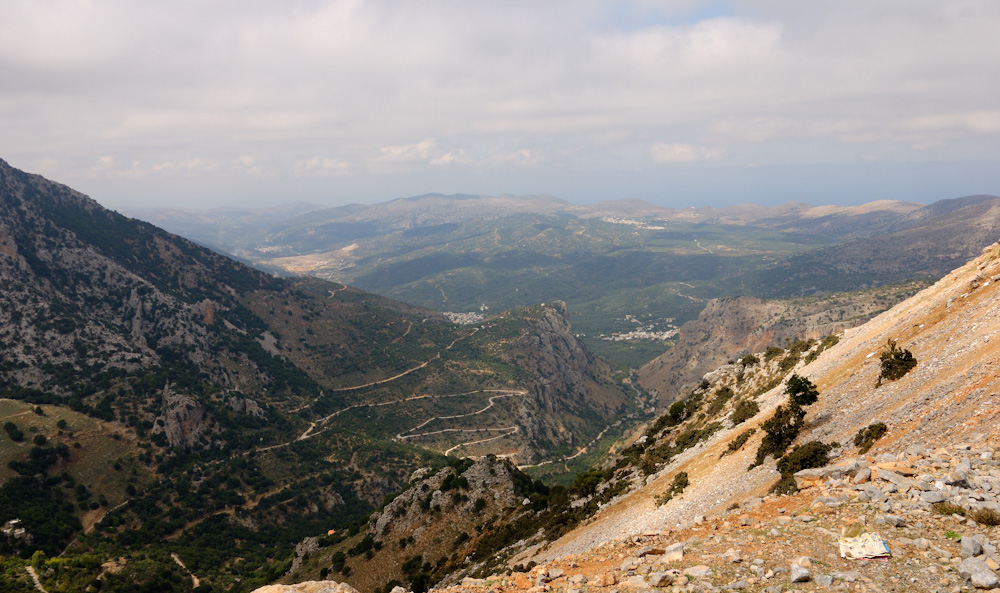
pixel 730 327
pixel 182 419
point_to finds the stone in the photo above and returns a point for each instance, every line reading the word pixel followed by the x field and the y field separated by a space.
pixel 673 553
pixel 970 547
pixel 697 572
pixel 607 579
pixel 577 579
pixel 798 574
pixel 864 474
pixel 804 561
pixel 824 580
pixel 892 520
pixel 660 579
pixel 398 589
pixel 471 582
pixel 978 574
pixel 933 496
pixel 649 551
pixel 636 582
pixel 738 585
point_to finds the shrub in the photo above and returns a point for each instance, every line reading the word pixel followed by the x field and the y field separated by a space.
pixel 781 429
pixel 739 441
pixel 15 433
pixel 812 454
pixel 773 352
pixel 722 396
pixel 947 508
pixel 676 487
pixel 745 409
pixel 801 390
pixel 827 342
pixel 867 436
pixel 985 516
pixel 896 362
pixel 749 360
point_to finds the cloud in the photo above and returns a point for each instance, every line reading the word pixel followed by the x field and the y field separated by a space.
pixel 185 90
pixel 322 166
pixel 404 153
pixel 684 153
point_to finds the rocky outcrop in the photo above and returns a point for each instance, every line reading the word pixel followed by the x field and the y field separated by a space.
pixel 730 327
pixel 182 419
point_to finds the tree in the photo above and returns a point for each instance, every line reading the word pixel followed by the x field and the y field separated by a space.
pixel 801 390
pixel 896 362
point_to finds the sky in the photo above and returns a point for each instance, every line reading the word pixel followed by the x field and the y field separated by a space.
pixel 678 102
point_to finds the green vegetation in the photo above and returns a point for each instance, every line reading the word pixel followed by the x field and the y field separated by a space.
pixel 744 410
pixel 737 443
pixel 785 424
pixel 895 362
pixel 676 487
pixel 867 436
pixel 812 454
pixel 801 391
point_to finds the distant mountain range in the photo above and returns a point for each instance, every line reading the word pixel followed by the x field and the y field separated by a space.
pixel 621 266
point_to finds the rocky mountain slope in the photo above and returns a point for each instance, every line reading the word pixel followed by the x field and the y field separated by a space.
pixel 691 509
pixel 731 327
pixel 239 412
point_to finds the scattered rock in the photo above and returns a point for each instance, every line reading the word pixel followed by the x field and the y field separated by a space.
pixel 798 574
pixel 978 574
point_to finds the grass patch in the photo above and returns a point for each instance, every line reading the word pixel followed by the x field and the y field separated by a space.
pixel 987 517
pixel 947 508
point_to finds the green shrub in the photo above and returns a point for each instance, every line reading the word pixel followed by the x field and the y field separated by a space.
pixel 676 487
pixel 867 436
pixel 739 441
pixel 781 429
pixel 773 352
pixel 896 362
pixel 812 454
pixel 749 360
pixel 745 409
pixel 722 396
pixel 801 390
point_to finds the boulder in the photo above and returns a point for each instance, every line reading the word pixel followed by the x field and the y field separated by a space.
pixel 978 574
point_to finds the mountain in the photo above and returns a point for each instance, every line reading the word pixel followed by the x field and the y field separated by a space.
pixel 705 498
pixel 168 400
pixel 624 267
pixel 927 243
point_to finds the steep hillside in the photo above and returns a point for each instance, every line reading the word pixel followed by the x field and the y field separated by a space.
pixel 238 412
pixel 951 329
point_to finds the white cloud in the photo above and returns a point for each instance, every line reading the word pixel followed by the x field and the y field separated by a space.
pixel 684 153
pixel 322 166
pixel 187 89
pixel 403 153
